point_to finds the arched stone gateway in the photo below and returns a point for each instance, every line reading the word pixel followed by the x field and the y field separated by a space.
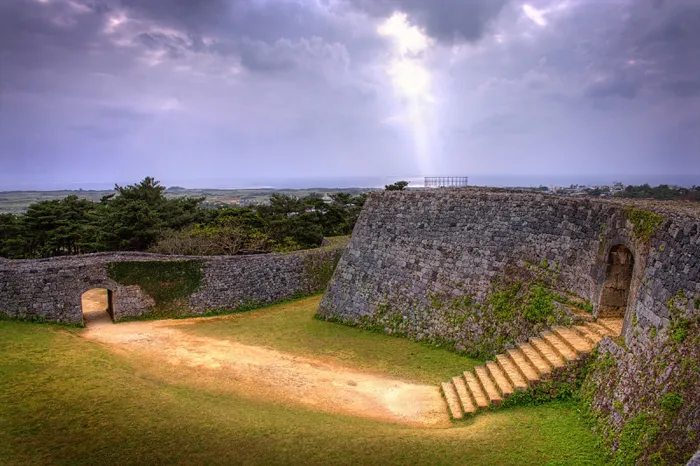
pixel 51 290
pixel 97 305
pixel 614 296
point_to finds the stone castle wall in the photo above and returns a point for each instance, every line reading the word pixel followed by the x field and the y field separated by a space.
pixel 411 246
pixel 51 289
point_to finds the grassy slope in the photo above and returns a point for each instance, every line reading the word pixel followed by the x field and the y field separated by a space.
pixel 291 328
pixel 70 401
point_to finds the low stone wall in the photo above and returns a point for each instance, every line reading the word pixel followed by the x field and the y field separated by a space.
pixel 51 289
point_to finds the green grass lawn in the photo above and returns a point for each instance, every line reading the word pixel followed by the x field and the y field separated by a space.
pixel 67 400
pixel 291 328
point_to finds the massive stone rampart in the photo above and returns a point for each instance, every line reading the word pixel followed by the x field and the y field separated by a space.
pixel 51 289
pixel 412 252
pixel 409 247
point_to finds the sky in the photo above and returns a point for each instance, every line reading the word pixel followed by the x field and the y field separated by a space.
pixel 200 92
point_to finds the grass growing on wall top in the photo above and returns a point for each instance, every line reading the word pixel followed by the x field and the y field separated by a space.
pixel 164 281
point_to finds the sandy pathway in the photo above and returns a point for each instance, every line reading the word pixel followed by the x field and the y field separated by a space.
pixel 279 375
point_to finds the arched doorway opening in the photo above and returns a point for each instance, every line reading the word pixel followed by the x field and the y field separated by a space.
pixel 97 306
pixel 618 278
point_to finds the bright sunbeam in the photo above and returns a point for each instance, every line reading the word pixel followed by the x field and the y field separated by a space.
pixel 409 38
pixel 412 82
pixel 410 78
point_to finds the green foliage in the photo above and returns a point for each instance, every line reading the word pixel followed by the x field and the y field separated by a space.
pixel 651 415
pixel 637 435
pixel 661 192
pixel 51 228
pixel 503 301
pixel 671 402
pixel 645 222
pixel 319 270
pixel 140 217
pixel 137 216
pixel 398 186
pixel 540 304
pixel 679 329
pixel 58 386
pixel 544 392
pixel 679 325
pixel 164 281
pixel 514 308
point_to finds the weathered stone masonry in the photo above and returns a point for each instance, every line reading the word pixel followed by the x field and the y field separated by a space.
pixel 51 289
pixel 409 247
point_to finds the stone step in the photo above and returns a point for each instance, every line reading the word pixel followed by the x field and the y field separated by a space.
pixel 511 370
pixel 560 347
pixel 579 315
pixel 476 390
pixel 599 329
pixel 504 386
pixel 586 332
pixel 575 341
pixel 547 352
pixel 540 363
pixel 463 395
pixel 489 387
pixel 612 324
pixel 525 368
pixel 452 400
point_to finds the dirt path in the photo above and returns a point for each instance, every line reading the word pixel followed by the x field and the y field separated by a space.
pixel 275 374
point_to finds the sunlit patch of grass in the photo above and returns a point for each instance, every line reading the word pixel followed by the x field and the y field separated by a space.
pixel 290 327
pixel 67 400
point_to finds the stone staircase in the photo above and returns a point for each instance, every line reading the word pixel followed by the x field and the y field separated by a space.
pixel 524 366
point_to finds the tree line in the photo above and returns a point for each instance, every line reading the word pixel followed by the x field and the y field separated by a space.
pixel 662 192
pixel 140 218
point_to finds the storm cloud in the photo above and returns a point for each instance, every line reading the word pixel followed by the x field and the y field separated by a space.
pixel 109 90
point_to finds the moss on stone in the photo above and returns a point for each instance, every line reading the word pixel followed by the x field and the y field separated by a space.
pixel 513 310
pixel 679 324
pixel 540 305
pixel 671 402
pixel 318 271
pixel 165 281
pixel 637 435
pixel 645 222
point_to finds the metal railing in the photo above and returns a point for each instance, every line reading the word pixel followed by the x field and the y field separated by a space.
pixel 446 181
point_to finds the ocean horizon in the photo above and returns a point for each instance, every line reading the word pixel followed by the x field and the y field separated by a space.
pixel 373 182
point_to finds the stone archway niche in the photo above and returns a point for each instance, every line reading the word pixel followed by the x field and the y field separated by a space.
pixel 618 279
pixel 97 304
